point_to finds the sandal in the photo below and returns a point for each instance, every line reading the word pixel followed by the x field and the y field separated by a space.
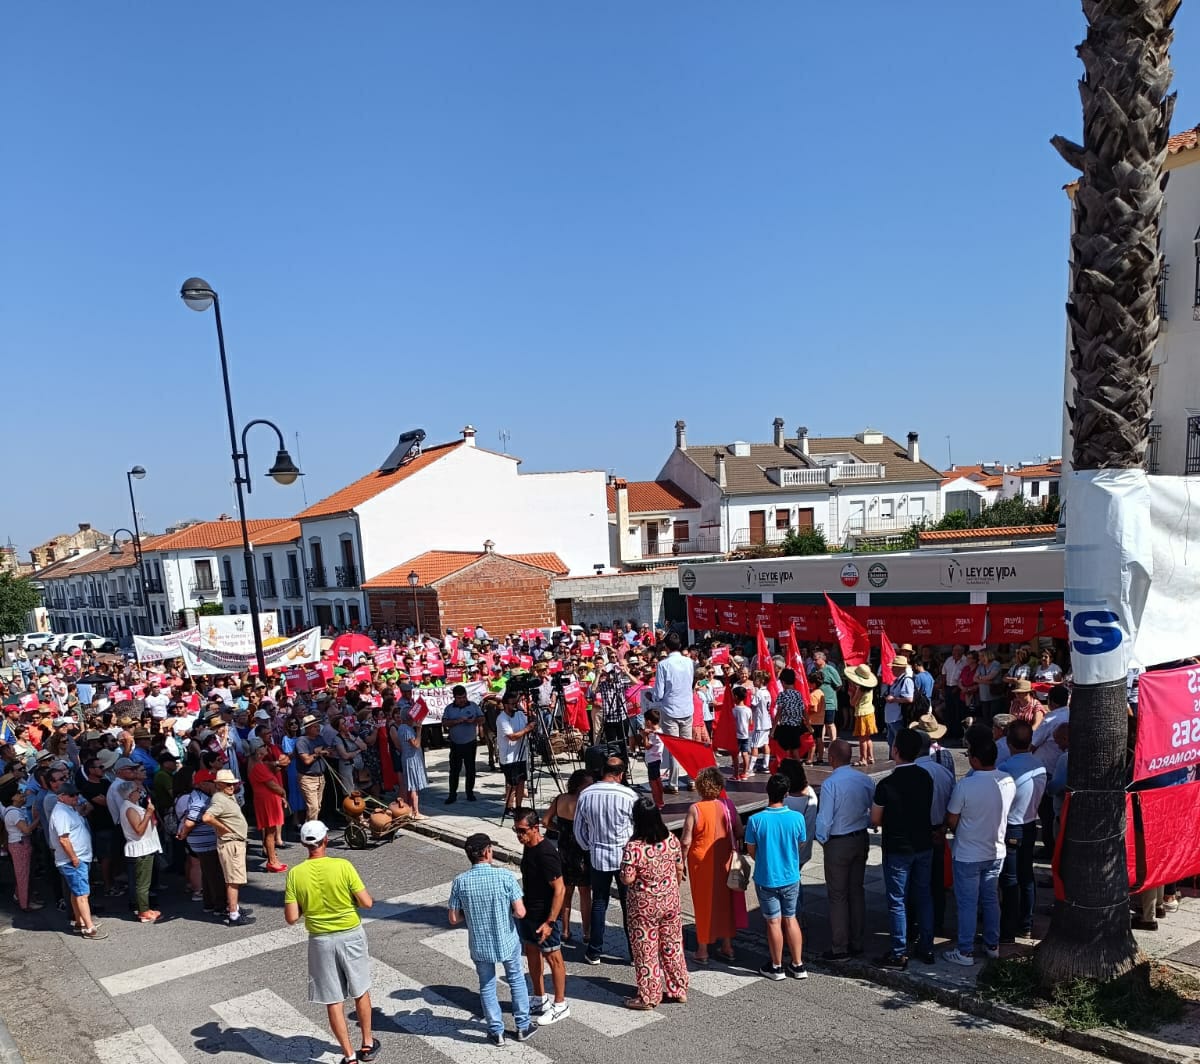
pixel 705 960
pixel 277 868
pixel 728 958
pixel 638 1005
pixel 681 999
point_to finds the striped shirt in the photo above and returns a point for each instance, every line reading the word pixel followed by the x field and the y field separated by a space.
pixel 604 823
pixel 484 894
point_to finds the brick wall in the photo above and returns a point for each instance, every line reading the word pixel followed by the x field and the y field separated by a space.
pixel 499 593
pixel 394 607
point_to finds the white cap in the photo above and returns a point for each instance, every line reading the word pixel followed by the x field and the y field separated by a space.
pixel 313 832
pixel 261 714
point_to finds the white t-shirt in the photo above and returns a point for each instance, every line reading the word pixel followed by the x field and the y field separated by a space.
pixel 952 670
pixel 137 845
pixel 762 709
pixel 510 749
pixel 654 747
pixel 12 817
pixel 742 718
pixel 158 705
pixel 1045 749
pixel 982 801
pixel 66 821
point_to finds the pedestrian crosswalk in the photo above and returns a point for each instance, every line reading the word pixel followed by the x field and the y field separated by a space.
pixel 271 1028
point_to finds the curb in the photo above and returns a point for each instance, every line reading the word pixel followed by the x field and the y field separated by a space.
pixel 9 1053
pixel 1115 1045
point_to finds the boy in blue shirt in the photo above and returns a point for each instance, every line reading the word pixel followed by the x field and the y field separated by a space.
pixel 774 838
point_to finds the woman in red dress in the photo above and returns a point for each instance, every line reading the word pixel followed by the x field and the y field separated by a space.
pixel 267 786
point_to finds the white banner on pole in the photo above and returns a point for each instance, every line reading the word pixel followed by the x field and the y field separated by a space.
pixel 300 649
pixel 1168 631
pixel 161 647
pixel 438 698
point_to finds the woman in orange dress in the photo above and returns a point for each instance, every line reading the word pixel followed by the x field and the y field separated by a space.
pixel 710 833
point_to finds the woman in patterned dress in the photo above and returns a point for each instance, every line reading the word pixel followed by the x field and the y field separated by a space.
pixel 652 867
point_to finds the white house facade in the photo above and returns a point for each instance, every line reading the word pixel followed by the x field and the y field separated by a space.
pixel 850 488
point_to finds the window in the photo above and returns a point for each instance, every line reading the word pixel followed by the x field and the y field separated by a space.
pixel 1196 249
pixel 783 520
pixel 887 509
pixel 1035 488
pixel 204 575
pixel 681 531
pixel 1053 487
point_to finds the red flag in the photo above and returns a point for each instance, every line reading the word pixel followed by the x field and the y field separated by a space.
pixel 851 636
pixel 720 655
pixel 767 663
pixel 724 726
pixel 691 755
pixel 562 627
pixel 796 663
pixel 387 771
pixel 887 654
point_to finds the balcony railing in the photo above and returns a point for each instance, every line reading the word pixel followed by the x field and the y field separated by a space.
pixel 76 603
pixel 858 471
pixel 1162 292
pixel 136 598
pixel 346 575
pixel 768 537
pixel 666 548
pixel 869 524
pixel 266 589
pixel 121 599
pixel 245 585
pixel 808 476
pixel 202 588
pixel 315 577
pixel 1152 449
pixel 153 586
pixel 227 588
pixel 96 602
pixel 291 587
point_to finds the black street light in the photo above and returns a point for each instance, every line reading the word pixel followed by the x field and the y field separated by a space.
pixel 199 296
pixel 414 580
pixel 138 473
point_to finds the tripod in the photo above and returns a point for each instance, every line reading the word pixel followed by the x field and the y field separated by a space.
pixel 526 755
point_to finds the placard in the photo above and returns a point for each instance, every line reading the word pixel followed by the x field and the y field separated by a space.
pixel 1168 728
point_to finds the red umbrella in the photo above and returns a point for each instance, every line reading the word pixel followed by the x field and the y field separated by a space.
pixel 352 643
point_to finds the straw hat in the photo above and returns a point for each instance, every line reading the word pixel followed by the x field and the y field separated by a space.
pixel 861 675
pixel 1022 687
pixel 928 725
pixel 899 662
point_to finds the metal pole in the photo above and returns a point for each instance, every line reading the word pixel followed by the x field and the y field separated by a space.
pixel 137 551
pixel 417 612
pixel 247 554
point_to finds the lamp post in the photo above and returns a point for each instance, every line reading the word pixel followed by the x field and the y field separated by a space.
pixel 199 296
pixel 138 473
pixel 414 578
pixel 115 552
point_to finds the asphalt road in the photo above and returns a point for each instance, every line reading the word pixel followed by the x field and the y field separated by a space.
pixel 189 990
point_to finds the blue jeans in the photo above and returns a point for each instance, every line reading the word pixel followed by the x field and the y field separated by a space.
pixel 894 728
pixel 905 873
pixel 975 887
pixel 514 972
pixel 1018 890
pixel 601 890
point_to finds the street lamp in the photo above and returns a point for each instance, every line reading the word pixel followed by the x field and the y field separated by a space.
pixel 199 296
pixel 138 473
pixel 414 578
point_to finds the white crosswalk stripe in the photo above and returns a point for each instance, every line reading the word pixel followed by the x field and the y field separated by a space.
pixel 142 1045
pixel 442 1025
pixel 591 1005
pixel 275 1030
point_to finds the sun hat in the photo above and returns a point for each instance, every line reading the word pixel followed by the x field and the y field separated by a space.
pixel 1022 687
pixel 225 776
pixel 928 724
pixel 861 675
pixel 900 660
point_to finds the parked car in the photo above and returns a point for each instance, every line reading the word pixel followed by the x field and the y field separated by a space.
pixel 37 640
pixel 86 641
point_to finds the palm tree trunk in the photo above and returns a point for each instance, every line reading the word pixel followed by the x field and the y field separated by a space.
pixel 1113 313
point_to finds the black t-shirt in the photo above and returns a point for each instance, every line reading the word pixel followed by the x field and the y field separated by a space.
pixel 907 799
pixel 99 819
pixel 540 865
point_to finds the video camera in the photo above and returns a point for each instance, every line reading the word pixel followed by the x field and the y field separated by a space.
pixel 524 684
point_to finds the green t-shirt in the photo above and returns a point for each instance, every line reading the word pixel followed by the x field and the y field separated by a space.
pixel 324 889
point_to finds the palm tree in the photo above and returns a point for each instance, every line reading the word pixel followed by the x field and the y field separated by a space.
pixel 1113 313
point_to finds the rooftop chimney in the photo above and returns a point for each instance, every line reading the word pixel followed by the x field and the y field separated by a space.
pixel 720 457
pixel 468 435
pixel 681 435
pixel 777 424
pixel 914 449
pixel 802 436
pixel 489 546
pixel 624 536
pixel 84 526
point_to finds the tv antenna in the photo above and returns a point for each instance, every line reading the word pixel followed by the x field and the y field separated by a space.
pixel 505 436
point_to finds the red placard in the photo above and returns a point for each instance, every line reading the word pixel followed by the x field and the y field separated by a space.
pixel 120 694
pixel 1054 623
pixel 363 674
pixel 1013 623
pixel 606 637
pixel 434 664
pixel 732 616
pixel 555 665
pixel 916 624
pixel 469 631
pixel 720 655
pixel 701 614
pixel 526 661
pixel 454 674
pixel 296 680
pixel 587 650
pixel 384 658
pixel 1168 732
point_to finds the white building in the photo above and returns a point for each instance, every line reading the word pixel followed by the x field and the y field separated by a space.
pixel 971 488
pixel 1035 482
pixel 451 496
pixel 1175 370
pixel 851 488
pixel 652 521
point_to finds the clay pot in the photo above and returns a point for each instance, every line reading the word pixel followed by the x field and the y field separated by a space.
pixel 399 809
pixel 353 804
pixel 380 822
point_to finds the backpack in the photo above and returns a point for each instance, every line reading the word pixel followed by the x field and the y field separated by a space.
pixel 920 705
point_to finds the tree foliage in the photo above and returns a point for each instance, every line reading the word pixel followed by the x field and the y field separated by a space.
pixel 209 609
pixel 17 597
pixel 804 541
pixel 1003 513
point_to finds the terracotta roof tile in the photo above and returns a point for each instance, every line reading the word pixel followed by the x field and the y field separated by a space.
pixel 374 482
pixel 1184 140
pixel 1043 469
pixel 435 565
pixel 212 535
pixel 284 532
pixel 975 473
pixel 653 496
pixel 958 535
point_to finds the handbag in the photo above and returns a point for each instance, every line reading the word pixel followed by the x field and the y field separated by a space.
pixel 741 871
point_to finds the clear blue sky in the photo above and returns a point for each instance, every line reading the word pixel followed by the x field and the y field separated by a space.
pixel 576 222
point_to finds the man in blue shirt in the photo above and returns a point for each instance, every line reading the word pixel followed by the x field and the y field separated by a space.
pixel 488 900
pixel 462 719
pixel 774 838
pixel 1018 891
pixel 673 683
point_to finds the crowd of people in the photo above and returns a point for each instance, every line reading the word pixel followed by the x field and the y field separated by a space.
pixel 113 773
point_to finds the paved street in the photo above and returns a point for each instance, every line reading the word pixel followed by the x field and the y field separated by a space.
pixel 191 990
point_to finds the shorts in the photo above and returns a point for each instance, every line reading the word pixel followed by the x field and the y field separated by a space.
pixel 744 745
pixel 775 902
pixel 232 856
pixel 529 926
pixel 76 879
pixel 654 770
pixel 864 727
pixel 788 736
pixel 830 716
pixel 515 772
pixel 761 737
pixel 339 966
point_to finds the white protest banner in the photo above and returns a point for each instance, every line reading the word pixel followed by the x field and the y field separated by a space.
pixel 234 633
pixel 438 698
pixel 1167 630
pixel 161 647
pixel 284 654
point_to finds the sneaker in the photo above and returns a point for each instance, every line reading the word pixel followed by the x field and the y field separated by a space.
pixel 1171 904
pixel 553 1013
pixel 964 960
pixel 33 906
pixel 236 921
pixel 668 789
pixel 526 1033
pixel 591 958
pixel 772 971
pixel 95 934
pixel 496 1039
pixel 369 1053
pixel 797 971
pixel 198 896
pixel 993 952
pixel 540 1003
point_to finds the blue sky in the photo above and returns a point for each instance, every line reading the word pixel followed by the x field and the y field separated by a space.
pixel 574 222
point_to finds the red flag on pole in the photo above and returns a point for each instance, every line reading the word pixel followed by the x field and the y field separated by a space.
pixel 796 663
pixel 724 726
pixel 767 663
pixel 887 654
pixel 691 755
pixel 852 637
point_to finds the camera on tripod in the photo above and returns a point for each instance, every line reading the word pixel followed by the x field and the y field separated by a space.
pixel 559 681
pixel 524 684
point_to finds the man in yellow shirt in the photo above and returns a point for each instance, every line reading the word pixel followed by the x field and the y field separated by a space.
pixel 328 893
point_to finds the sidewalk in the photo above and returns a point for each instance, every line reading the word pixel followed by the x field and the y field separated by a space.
pixel 1177 942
